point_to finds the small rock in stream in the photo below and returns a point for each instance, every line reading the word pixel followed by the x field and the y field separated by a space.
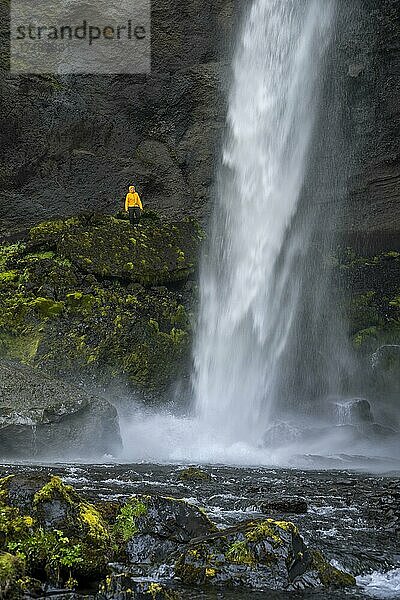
pixel 296 506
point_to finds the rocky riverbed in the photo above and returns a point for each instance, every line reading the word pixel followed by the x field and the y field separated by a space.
pixel 203 533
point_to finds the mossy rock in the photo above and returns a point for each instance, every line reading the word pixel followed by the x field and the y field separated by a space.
pixel 151 254
pixel 152 528
pixel 330 576
pixel 259 555
pixel 56 533
pixel 67 292
pixel 12 575
pixel 193 474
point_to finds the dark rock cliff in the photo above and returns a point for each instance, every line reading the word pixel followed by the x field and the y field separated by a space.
pixel 372 91
pixel 74 143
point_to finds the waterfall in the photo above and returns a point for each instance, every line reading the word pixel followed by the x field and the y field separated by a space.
pixel 251 282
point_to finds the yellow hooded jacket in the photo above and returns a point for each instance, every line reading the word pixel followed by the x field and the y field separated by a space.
pixel 133 199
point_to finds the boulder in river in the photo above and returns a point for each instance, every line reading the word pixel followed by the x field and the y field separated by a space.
pixel 284 505
pixel 58 534
pixel 193 474
pixel 41 417
pixel 153 527
pixel 257 555
pixel 354 411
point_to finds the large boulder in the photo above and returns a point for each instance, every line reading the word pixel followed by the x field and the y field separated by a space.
pixel 258 555
pixel 61 537
pixel 41 417
pixel 152 528
pixel 354 411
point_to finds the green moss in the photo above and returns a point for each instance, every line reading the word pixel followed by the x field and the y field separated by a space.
pixel 92 519
pixel 79 301
pixel 364 336
pixel 193 474
pixel 49 231
pixel 154 590
pixel 329 575
pixel 13 525
pixel 287 526
pixel 23 347
pixel 239 553
pixel 48 307
pixel 12 569
pixel 125 525
pixel 363 311
pixel 8 276
pixel 9 252
pixel 265 529
pixel 55 488
pixel 40 256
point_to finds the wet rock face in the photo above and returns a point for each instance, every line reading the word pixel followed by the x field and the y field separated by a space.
pixel 371 60
pixel 352 412
pixel 154 528
pixel 257 555
pixel 46 418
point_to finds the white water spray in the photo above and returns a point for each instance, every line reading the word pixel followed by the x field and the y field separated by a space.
pixel 249 293
pixel 269 343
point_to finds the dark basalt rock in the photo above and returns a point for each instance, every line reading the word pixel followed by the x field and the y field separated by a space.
pixel 38 414
pixel 257 555
pixel 354 411
pixel 153 527
pixel 284 505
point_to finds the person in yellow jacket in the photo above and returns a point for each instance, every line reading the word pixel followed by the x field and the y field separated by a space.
pixel 133 206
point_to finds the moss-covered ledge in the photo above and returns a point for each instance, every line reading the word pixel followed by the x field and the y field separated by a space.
pixel 154 253
pixel 93 295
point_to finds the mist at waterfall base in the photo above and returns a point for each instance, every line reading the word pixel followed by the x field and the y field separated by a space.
pixel 274 375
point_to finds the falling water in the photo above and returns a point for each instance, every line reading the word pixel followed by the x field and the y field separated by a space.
pixel 250 281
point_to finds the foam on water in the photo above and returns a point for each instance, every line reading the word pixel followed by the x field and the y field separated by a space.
pixel 381 585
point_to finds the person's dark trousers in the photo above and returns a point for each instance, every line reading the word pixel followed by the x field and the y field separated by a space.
pixel 134 215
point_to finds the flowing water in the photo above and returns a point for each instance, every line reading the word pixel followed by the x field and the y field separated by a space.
pixel 350 517
pixel 272 369
pixel 251 282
